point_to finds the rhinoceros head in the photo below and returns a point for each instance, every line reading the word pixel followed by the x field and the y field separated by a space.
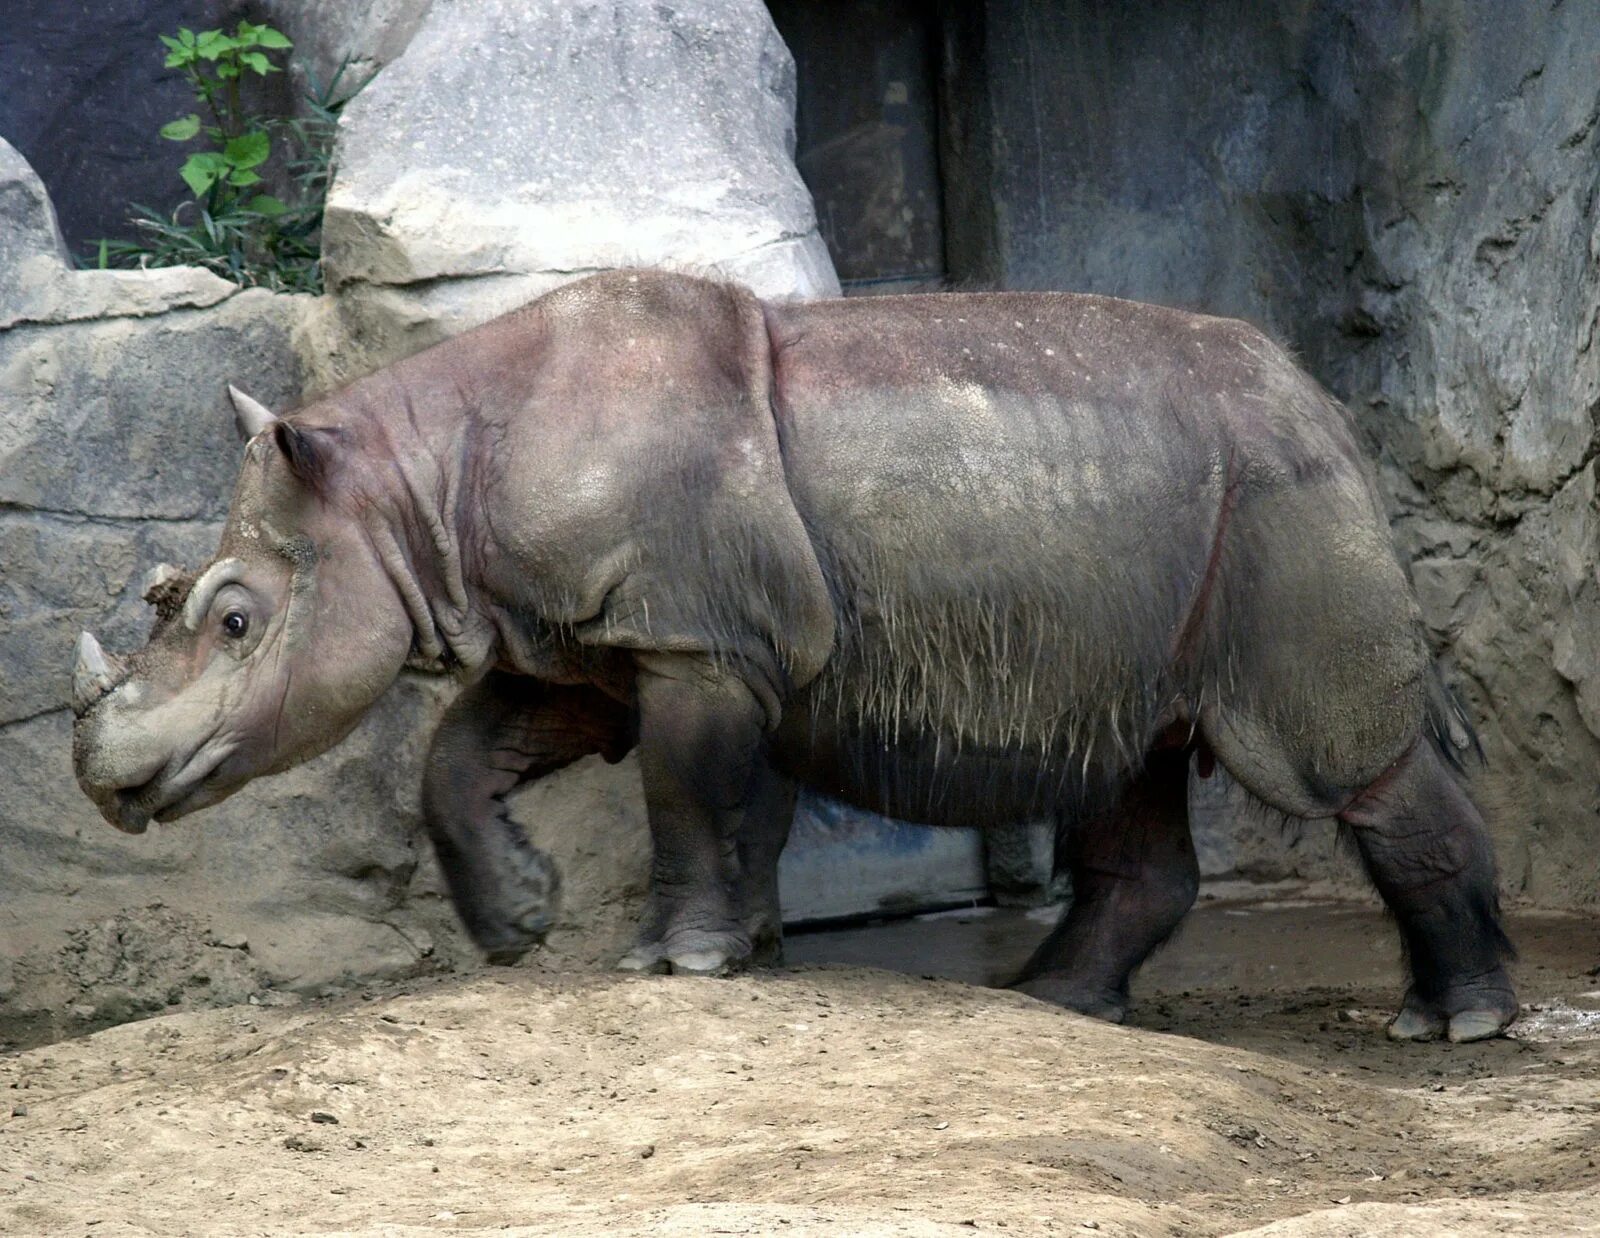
pixel 266 657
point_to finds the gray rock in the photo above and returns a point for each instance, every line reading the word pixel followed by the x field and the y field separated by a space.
pixel 544 137
pixel 28 228
pixel 38 284
pixel 361 35
pixel 129 417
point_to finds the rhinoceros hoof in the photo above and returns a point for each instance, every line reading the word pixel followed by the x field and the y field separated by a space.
pixel 646 957
pixel 1097 1003
pixel 690 953
pixel 1416 1022
pixel 1475 1011
pixel 512 939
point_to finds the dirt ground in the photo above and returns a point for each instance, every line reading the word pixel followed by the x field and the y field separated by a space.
pixel 1253 1092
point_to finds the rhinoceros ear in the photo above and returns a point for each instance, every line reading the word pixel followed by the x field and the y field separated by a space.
pixel 250 417
pixel 307 452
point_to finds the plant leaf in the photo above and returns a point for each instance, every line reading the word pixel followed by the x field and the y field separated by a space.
pixel 181 130
pixel 248 150
pixel 241 177
pixel 199 172
pixel 266 36
pixel 265 204
pixel 256 61
pixel 213 43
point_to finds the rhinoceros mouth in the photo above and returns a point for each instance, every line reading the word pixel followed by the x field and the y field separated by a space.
pixel 175 791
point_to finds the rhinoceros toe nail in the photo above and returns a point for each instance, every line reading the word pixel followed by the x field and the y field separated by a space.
pixel 1472 1025
pixel 643 959
pixel 701 963
pixel 1415 1025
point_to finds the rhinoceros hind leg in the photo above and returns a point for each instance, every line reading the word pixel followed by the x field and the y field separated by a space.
pixel 1134 877
pixel 1428 852
pixel 499 733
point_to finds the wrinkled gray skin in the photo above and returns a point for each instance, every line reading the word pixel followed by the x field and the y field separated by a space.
pixel 953 558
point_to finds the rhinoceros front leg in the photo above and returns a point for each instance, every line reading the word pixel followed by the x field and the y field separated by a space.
pixel 498 734
pixel 701 756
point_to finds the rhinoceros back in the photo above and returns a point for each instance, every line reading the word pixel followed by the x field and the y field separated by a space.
pixel 1053 525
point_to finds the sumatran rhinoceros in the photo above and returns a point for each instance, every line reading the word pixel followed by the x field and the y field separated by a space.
pixel 954 558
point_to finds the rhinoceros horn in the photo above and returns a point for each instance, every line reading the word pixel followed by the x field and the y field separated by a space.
pixel 158 580
pixel 250 416
pixel 96 674
pixel 165 587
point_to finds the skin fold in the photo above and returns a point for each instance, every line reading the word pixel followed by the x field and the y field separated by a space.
pixel 957 558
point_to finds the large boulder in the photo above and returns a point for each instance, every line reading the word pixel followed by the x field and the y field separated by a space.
pixel 515 144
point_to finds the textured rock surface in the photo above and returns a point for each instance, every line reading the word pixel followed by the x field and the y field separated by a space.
pixel 85 96
pixel 545 137
pixel 515 145
pixel 37 283
pixel 1407 195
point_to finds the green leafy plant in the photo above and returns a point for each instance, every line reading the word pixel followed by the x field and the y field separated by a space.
pixel 232 224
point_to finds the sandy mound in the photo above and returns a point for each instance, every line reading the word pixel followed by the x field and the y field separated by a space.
pixel 815 1102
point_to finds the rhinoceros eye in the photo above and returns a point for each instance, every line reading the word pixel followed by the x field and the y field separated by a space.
pixel 235 623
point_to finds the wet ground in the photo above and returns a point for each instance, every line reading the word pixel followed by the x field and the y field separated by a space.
pixel 1275 969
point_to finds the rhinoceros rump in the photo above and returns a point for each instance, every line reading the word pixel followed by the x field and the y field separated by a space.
pixel 956 558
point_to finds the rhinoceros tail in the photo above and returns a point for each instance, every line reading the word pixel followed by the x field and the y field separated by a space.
pixel 1448 725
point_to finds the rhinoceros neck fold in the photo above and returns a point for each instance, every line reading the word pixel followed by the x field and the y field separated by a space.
pixel 415 500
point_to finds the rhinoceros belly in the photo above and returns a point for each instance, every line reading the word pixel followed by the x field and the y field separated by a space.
pixel 1011 553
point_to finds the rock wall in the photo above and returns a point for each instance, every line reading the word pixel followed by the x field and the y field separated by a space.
pixel 1406 194
pixel 117 451
pixel 85 95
